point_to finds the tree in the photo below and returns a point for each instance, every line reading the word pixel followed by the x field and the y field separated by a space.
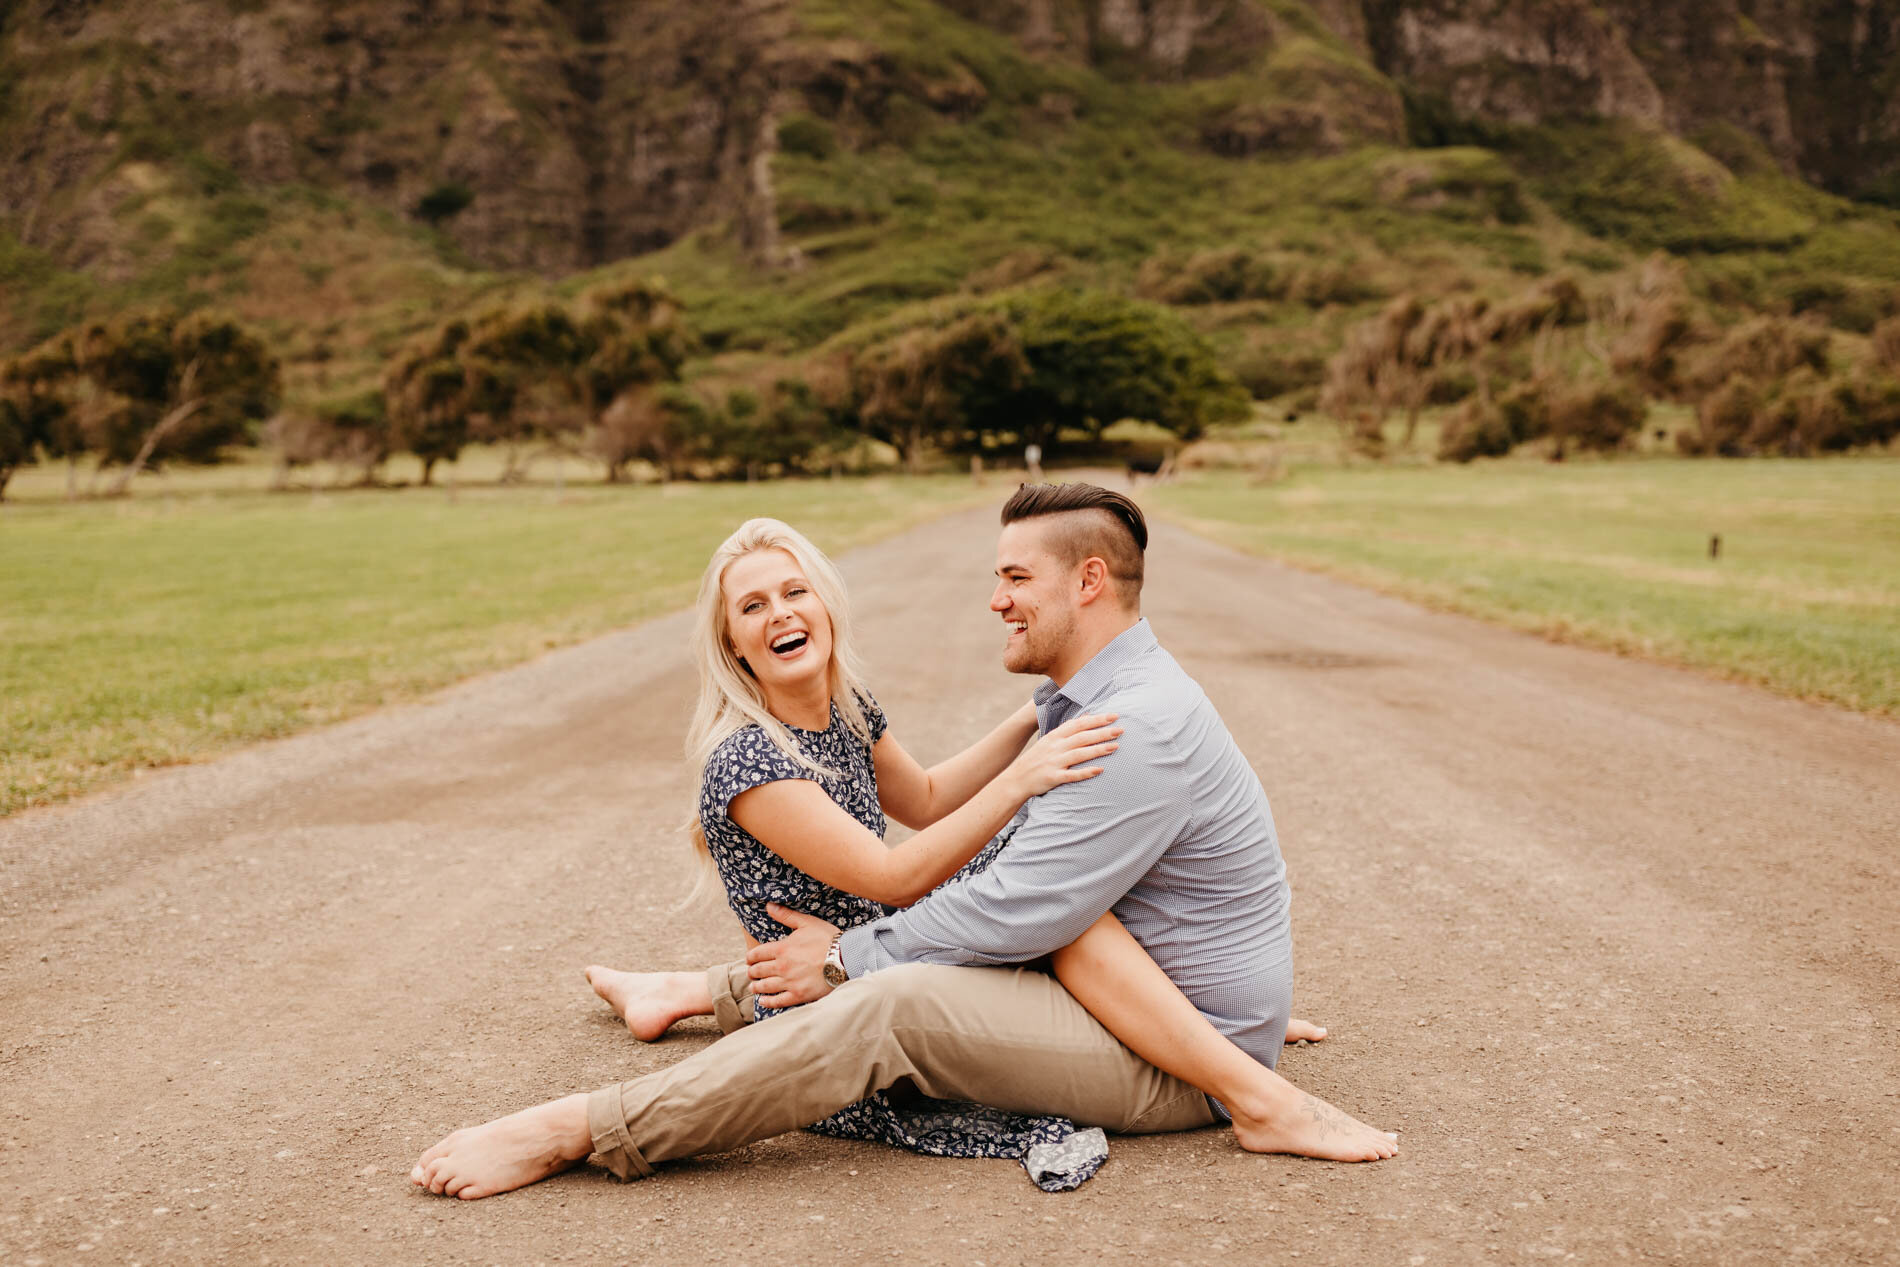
pixel 636 345
pixel 352 431
pixel 144 388
pixel 1094 359
pixel 181 387
pixel 922 385
pixel 535 355
pixel 578 380
pixel 36 409
pixel 652 424
pixel 434 395
pixel 17 442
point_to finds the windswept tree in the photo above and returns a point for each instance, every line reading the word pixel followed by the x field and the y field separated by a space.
pixel 145 388
pixel 635 345
pixel 574 380
pixel 535 354
pixel 1395 361
pixel 920 387
pixel 437 394
pixel 17 442
pixel 37 412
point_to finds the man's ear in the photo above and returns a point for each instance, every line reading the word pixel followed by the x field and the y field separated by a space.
pixel 1094 581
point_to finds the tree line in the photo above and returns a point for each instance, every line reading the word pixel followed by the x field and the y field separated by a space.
pixel 604 379
pixel 1572 372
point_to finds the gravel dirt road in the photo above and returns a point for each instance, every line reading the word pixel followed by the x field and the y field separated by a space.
pixel 1616 947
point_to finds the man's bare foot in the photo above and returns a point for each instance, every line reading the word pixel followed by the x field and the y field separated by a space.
pixel 1306 1126
pixel 509 1152
pixel 1299 1031
pixel 649 1002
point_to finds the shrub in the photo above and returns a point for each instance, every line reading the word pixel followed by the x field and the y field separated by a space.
pixel 1885 344
pixel 350 431
pixel 1477 430
pixel 1723 418
pixel 1765 349
pixel 1599 416
pixel 1557 301
pixel 1206 277
pixel 811 137
pixel 444 202
pixel 16 442
pixel 1877 397
pixel 1525 408
pixel 1267 369
pixel 1449 385
pixel 1233 273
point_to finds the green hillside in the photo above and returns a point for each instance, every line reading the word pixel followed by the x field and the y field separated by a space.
pixel 1269 180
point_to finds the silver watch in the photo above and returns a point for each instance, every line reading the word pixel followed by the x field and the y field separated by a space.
pixel 834 962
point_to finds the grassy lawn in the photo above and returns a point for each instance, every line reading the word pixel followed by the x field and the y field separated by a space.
pixel 1804 600
pixel 180 623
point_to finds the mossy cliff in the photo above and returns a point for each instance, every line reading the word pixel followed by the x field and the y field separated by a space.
pixel 343 173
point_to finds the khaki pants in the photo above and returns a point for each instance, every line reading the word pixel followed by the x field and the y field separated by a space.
pixel 731 989
pixel 1011 1038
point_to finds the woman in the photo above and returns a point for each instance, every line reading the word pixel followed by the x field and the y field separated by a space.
pixel 798 773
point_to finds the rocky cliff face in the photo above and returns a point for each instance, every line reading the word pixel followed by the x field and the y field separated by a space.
pixel 552 135
pixel 1814 81
pixel 557 134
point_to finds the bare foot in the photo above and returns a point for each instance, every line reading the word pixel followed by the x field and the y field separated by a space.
pixel 509 1152
pixel 1299 1031
pixel 649 1002
pixel 1306 1126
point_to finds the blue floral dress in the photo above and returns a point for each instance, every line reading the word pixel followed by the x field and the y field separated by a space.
pixel 1057 1154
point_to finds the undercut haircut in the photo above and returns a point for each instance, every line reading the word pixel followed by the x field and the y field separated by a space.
pixel 1090 522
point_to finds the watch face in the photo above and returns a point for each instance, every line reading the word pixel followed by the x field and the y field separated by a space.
pixel 834 975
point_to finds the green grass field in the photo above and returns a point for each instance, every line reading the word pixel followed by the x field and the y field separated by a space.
pixel 177 624
pixel 1804 600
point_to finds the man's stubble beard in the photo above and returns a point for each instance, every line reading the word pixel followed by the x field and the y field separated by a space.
pixel 1042 646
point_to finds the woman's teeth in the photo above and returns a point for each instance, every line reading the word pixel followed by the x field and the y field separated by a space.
pixel 788 642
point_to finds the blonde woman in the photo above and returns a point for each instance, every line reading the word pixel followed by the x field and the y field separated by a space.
pixel 798 772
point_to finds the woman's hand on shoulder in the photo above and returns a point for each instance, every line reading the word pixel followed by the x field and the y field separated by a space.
pixel 1062 755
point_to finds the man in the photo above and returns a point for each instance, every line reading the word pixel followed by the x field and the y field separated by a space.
pixel 1176 839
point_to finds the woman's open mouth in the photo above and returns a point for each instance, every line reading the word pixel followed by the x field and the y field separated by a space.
pixel 787 645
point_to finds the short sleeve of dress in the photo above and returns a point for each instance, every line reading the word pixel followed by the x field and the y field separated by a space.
pixel 873 715
pixel 744 760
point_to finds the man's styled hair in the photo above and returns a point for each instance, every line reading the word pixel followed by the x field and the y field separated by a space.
pixel 1095 522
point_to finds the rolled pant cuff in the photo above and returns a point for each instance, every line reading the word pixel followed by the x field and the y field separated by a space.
pixel 607 1123
pixel 732 1002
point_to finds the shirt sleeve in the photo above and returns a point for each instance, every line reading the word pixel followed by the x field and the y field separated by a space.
pixel 744 760
pixel 873 716
pixel 1081 848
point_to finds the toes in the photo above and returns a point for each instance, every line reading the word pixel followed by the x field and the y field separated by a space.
pixel 472 1192
pixel 416 1176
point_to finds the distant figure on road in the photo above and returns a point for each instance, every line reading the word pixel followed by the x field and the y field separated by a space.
pixel 1158 822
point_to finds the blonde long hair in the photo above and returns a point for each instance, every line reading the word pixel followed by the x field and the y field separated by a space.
pixel 729 696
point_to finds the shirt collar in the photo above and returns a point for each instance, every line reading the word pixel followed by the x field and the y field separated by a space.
pixel 1091 678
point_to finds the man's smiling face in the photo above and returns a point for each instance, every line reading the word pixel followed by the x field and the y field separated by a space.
pixel 1035 595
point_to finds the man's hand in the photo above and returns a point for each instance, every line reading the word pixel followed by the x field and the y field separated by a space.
pixel 791 970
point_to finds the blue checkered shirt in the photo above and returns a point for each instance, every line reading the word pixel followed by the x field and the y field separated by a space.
pixel 1175 836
